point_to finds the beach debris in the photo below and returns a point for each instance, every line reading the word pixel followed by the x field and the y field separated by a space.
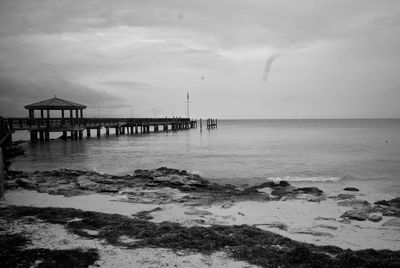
pixel 198 212
pixel 145 214
pixel 314 233
pixel 324 219
pixel 227 205
pixel 241 213
pixel 351 189
pixel 278 225
pixel 91 232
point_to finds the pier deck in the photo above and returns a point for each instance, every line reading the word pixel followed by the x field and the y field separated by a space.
pixel 41 127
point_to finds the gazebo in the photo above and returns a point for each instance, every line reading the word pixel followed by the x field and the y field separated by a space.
pixel 44 125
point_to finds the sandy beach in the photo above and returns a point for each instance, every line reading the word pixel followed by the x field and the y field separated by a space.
pixel 183 220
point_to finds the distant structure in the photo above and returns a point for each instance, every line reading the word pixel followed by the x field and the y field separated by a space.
pixel 75 124
pixel 53 104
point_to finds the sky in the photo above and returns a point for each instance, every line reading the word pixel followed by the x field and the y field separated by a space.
pixel 235 59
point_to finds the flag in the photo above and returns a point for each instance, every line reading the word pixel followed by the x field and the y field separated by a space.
pixel 187 95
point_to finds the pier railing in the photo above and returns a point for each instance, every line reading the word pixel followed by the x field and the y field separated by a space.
pixel 54 124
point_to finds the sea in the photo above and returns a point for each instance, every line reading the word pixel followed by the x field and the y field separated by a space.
pixel 329 153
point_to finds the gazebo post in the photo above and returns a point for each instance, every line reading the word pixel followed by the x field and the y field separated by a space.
pixel 33 133
pixel 47 134
pixel 64 135
pixel 41 134
pixel 41 117
pixel 71 116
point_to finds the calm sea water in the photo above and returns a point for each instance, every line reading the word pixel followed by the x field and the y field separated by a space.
pixel 240 151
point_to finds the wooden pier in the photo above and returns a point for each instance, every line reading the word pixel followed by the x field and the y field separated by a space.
pixel 74 128
pixel 73 125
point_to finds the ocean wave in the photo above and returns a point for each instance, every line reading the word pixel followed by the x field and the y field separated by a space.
pixel 305 179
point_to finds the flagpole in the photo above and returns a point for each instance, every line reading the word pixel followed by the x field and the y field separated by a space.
pixel 187 103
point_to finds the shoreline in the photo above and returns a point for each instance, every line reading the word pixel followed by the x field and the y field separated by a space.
pixel 313 221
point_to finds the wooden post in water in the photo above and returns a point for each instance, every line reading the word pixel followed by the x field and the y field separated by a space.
pixel 88 132
pixel 107 131
pixel 98 132
pixel 2 178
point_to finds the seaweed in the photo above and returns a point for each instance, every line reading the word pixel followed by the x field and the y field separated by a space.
pixel 13 254
pixel 242 242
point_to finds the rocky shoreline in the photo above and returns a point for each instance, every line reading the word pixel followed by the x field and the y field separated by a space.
pixel 197 189
pixel 199 228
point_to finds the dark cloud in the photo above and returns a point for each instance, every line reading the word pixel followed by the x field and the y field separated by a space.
pixel 16 93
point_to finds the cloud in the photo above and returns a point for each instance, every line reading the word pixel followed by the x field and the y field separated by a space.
pixel 104 49
pixel 131 85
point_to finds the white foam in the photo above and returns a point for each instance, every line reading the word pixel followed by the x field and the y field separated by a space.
pixel 300 179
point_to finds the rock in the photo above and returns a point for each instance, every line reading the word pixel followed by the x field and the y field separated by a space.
pixel 351 189
pixel 382 203
pixel 282 191
pixel 85 183
pixel 309 190
pixel 355 214
pixel 395 202
pixel 8 185
pixel 173 179
pixel 107 189
pixel 343 197
pixel 326 226
pixel 187 188
pixel 374 217
pixel 66 192
pixel 391 211
pixel 391 203
pixel 26 183
pixel 392 223
pixel 284 183
pixel 359 204
pixel 324 219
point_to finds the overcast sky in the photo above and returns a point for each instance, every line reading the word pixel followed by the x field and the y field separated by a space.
pixel 237 59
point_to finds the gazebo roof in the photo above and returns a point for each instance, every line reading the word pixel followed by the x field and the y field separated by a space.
pixel 55 104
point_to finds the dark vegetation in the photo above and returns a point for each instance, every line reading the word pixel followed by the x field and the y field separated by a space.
pixel 242 242
pixel 13 254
